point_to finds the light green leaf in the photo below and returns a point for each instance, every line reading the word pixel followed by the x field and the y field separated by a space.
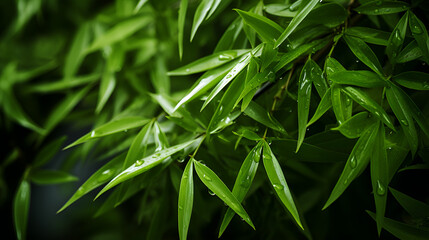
pixel 268 55
pixel 41 176
pixel 278 181
pixel 369 104
pixel 302 13
pixel 379 176
pixel 243 182
pixel 186 199
pixel 111 127
pixel 144 164
pixel 230 35
pixel 382 7
pixel 414 207
pixel 402 230
pixel 260 114
pixel 139 145
pixel 268 30
pixel 21 206
pixel 254 80
pixel 215 184
pixel 356 163
pixel 396 39
pixel 363 78
pixel 356 125
pixel 413 80
pixel 107 86
pixel 304 97
pixel 209 62
pixel 420 34
pixel 76 53
pixel 181 25
pixel 364 53
pixel 200 15
pixel 324 105
pixel 280 9
pixel 61 85
pixel 400 107
pixel 120 32
pixel 369 35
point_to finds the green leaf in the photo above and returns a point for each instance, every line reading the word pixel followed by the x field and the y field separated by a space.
pixel 280 9
pixel 230 35
pixel 107 86
pixel 205 82
pixel 144 164
pixel 278 181
pixel 158 76
pixel 209 62
pixel 414 207
pixel 413 80
pixel 119 32
pixel 341 103
pixel 252 84
pixel 364 53
pixel 98 178
pixel 53 86
pixel 402 230
pixel 186 199
pixel 356 163
pixel 410 52
pixel 396 39
pixel 243 182
pixel 215 184
pixel 21 206
pixel 382 7
pixel 369 104
pixel 269 54
pixel 369 35
pixel 139 145
pixel 366 79
pixel 316 75
pixel 226 105
pixel 324 105
pixel 329 15
pixel 356 125
pixel 260 114
pixel 332 66
pixel 242 63
pixel 420 34
pixel 379 176
pixel 304 97
pixel 111 127
pixel 181 25
pixel 400 107
pixel 76 53
pixel 300 16
pixel 200 15
pixel 41 176
pixel 48 152
pixel 268 30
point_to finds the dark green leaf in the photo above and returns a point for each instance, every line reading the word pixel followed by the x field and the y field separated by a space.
pixel 200 15
pixel 356 125
pixel 413 80
pixel 21 206
pixel 48 152
pixel 304 97
pixel 54 86
pixel 414 207
pixel 369 35
pixel 366 79
pixel 396 39
pixel 76 53
pixel 260 114
pixel 364 53
pixel 40 176
pixel 382 7
pixel 280 9
pixel 268 30
pixel 186 199
pixel 341 103
pixel 324 105
pixel 329 15
pixel 411 52
pixel 418 29
pixel 181 25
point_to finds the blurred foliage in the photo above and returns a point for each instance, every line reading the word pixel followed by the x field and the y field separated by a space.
pixel 306 118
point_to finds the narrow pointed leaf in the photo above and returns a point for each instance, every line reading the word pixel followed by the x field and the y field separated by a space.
pixel 410 52
pixel 278 181
pixel 260 114
pixel 268 30
pixel 215 184
pixel 369 104
pixel 76 53
pixel 181 25
pixel 324 105
pixel 112 127
pixel 139 145
pixel 40 176
pixel 21 206
pixel 370 35
pixel 62 85
pixel 382 7
pixel 341 104
pixel 48 152
pixel 302 13
pixel 413 80
pixel 356 125
pixel 243 181
pixel 420 34
pixel 144 164
pixel 304 97
pixel 396 39
pixel 356 163
pixel 107 86
pixel 200 15
pixel 366 79
pixel 364 53
pixel 413 206
pixel 186 199
pixel 209 62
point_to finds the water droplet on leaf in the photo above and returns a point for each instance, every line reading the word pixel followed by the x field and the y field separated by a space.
pixel 207 177
pixel 278 187
pixel 381 190
pixel 139 163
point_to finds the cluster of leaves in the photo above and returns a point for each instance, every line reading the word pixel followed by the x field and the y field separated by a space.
pixel 249 99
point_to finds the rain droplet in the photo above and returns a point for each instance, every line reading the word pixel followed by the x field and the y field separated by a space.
pixel 353 162
pixel 212 193
pixel 404 122
pixel 80 191
pixel 278 187
pixel 106 174
pixel 416 29
pixel 229 76
pixel 376 10
pixel 187 70
pixel 381 190
pixel 180 207
pixel 180 160
pixel 246 182
pixel 207 178
pixel 92 133
pixel 226 57
pixel 139 163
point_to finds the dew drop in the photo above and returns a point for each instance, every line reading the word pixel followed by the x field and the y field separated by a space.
pixel 80 191
pixel 246 182
pixel 404 122
pixel 211 193
pixel 139 163
pixel 225 57
pixel 180 207
pixel 376 10
pixel 207 178
pixel 381 190
pixel 106 174
pixel 187 70
pixel 180 160
pixel 92 133
pixel 278 187
pixel 353 162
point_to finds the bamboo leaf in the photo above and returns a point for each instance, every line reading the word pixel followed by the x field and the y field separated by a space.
pixel 48 152
pixel 414 207
pixel 268 30
pixel 304 97
pixel 215 184
pixel 396 39
pixel 278 181
pixel 370 35
pixel 186 199
pixel 420 34
pixel 260 114
pixel 200 15
pixel 364 53
pixel 382 7
pixel 40 176
pixel 366 79
pixel 324 105
pixel 410 52
pixel 107 86
pixel 21 206
pixel 181 25
pixel 413 80
pixel 356 125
